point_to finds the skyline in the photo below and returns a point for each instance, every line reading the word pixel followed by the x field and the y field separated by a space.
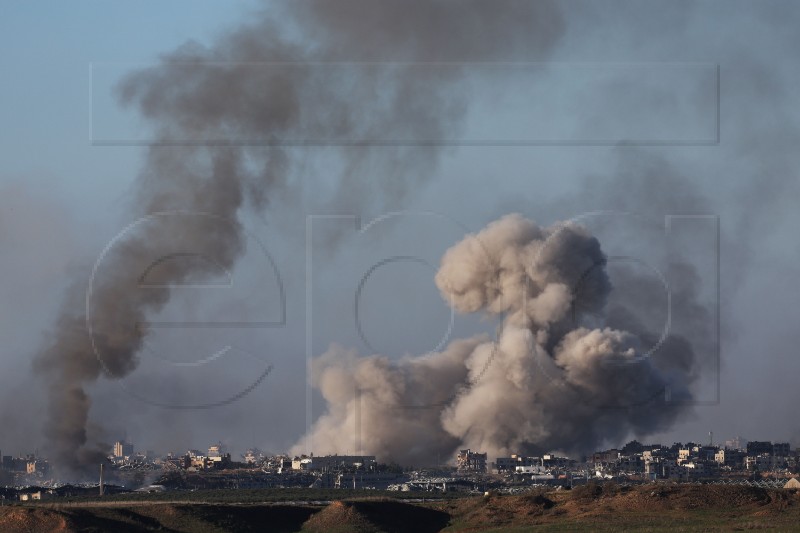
pixel 225 447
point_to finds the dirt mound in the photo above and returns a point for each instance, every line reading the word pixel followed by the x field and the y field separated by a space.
pixel 368 516
pixel 501 511
pixel 340 516
pixel 168 518
pixel 32 520
pixel 624 506
pixel 694 497
pixel 77 519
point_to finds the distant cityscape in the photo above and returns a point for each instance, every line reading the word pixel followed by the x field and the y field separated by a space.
pixel 766 463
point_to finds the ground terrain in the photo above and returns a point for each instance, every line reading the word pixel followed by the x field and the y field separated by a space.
pixel 589 508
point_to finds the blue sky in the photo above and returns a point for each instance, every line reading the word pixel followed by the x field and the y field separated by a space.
pixel 47 48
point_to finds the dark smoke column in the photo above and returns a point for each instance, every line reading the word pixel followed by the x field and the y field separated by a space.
pixel 222 116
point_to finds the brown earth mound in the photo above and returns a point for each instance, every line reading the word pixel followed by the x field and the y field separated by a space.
pixel 695 497
pixel 499 511
pixel 340 516
pixel 676 497
pixel 596 504
pixel 166 518
pixel 14 520
pixel 368 516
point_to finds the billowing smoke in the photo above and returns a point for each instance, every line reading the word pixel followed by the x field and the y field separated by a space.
pixel 222 118
pixel 559 376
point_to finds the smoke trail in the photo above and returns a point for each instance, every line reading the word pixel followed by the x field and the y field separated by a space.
pixel 220 116
pixel 558 377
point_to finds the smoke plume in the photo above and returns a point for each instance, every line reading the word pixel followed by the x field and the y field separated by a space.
pixel 222 116
pixel 559 376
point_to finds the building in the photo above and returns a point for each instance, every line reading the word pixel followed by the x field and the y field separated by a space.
pixel 632 464
pixel 756 448
pixel 719 457
pixel 217 456
pixel 550 460
pixel 707 453
pixel 123 449
pixel 532 469
pixel 511 464
pixel 781 449
pixel 761 463
pixel 280 463
pixel 730 457
pixel 606 457
pixel 505 464
pixel 693 470
pixel 654 453
pixel 633 447
pixel 469 461
pixel 303 462
pixel 335 462
pixel 217 450
pixel 660 467
pixel 253 455
pixel 18 464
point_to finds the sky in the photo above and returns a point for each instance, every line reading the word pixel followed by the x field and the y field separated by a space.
pixel 656 109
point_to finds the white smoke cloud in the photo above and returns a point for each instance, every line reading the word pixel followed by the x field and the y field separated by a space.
pixel 555 379
pixel 376 404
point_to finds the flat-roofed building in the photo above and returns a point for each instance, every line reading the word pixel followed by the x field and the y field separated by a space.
pixel 469 461
pixel 756 448
pixel 781 449
pixel 123 449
